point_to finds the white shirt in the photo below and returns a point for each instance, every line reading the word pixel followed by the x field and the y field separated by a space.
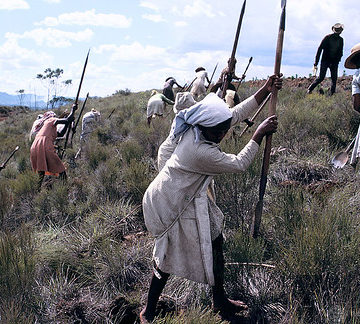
pixel 355 86
pixel 201 75
pixel 176 206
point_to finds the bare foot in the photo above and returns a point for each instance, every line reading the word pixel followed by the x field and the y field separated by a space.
pixel 143 318
pixel 229 306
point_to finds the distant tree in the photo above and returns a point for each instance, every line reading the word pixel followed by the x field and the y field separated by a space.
pixel 21 95
pixel 125 92
pixel 59 101
pixel 51 80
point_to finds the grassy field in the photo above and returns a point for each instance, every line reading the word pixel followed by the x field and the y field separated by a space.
pixel 79 252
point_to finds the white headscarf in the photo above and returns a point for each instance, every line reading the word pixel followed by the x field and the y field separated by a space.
pixel 183 100
pixel 208 112
pixel 39 122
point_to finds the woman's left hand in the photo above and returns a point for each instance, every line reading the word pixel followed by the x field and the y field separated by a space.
pixel 274 81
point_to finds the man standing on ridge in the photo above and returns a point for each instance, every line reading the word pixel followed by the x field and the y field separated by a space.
pixel 332 50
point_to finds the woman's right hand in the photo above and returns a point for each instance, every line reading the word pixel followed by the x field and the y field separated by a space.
pixel 267 127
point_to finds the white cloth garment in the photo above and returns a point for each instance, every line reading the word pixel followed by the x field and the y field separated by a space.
pixel 356 149
pixel 355 85
pixel 230 98
pixel 183 100
pixel 356 90
pixel 177 208
pixel 208 112
pixel 198 88
pixel 89 122
pixel 156 104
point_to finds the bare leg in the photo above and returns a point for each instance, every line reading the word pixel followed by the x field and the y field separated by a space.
pixel 156 287
pixel 63 176
pixel 41 179
pixel 220 302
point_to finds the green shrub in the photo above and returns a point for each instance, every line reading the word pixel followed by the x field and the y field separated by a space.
pixel 96 155
pixel 319 259
pixel 25 184
pixel 17 273
pixel 131 150
pixel 136 178
pixel 24 164
pixel 192 316
pixel 236 194
pixel 6 200
pixel 243 248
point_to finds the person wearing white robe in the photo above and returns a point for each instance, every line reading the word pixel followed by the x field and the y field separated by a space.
pixel 89 122
pixel 183 100
pixel 156 105
pixel 179 212
pixel 353 62
pixel 198 89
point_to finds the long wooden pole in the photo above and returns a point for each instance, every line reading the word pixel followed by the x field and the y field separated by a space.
pixel 76 101
pixel 244 74
pixel 212 75
pixel 256 114
pixel 2 166
pixel 231 64
pixel 78 119
pixel 187 88
pixel 272 111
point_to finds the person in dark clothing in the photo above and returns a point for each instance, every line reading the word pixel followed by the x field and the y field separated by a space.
pixel 168 88
pixel 217 87
pixel 331 48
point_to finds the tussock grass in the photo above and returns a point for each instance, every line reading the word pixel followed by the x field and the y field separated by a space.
pixel 17 275
pixel 192 316
pixel 87 257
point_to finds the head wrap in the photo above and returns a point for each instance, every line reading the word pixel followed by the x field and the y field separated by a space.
pixel 208 112
pixel 183 100
pixel 40 122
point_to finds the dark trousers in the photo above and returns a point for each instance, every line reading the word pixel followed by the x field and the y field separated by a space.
pixel 333 73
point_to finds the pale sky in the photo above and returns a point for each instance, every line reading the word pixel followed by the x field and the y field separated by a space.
pixel 138 44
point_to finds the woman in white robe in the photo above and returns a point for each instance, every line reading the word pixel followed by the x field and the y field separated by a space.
pixel 198 89
pixel 156 105
pixel 178 209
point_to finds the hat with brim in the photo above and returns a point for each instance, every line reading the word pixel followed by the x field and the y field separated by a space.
pixel 349 62
pixel 200 68
pixel 337 28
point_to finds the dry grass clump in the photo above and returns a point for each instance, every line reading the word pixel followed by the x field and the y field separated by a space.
pixel 17 276
pixel 87 258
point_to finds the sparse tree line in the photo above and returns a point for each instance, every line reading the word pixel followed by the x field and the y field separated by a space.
pixel 55 87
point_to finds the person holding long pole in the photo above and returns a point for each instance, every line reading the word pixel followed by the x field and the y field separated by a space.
pixel 179 207
pixel 44 159
pixel 255 227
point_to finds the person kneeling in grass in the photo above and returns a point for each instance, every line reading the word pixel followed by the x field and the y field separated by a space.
pixel 179 205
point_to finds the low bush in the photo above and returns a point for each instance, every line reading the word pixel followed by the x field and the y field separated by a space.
pixel 17 275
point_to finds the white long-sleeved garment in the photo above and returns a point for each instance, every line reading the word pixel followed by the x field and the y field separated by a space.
pixel 177 208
